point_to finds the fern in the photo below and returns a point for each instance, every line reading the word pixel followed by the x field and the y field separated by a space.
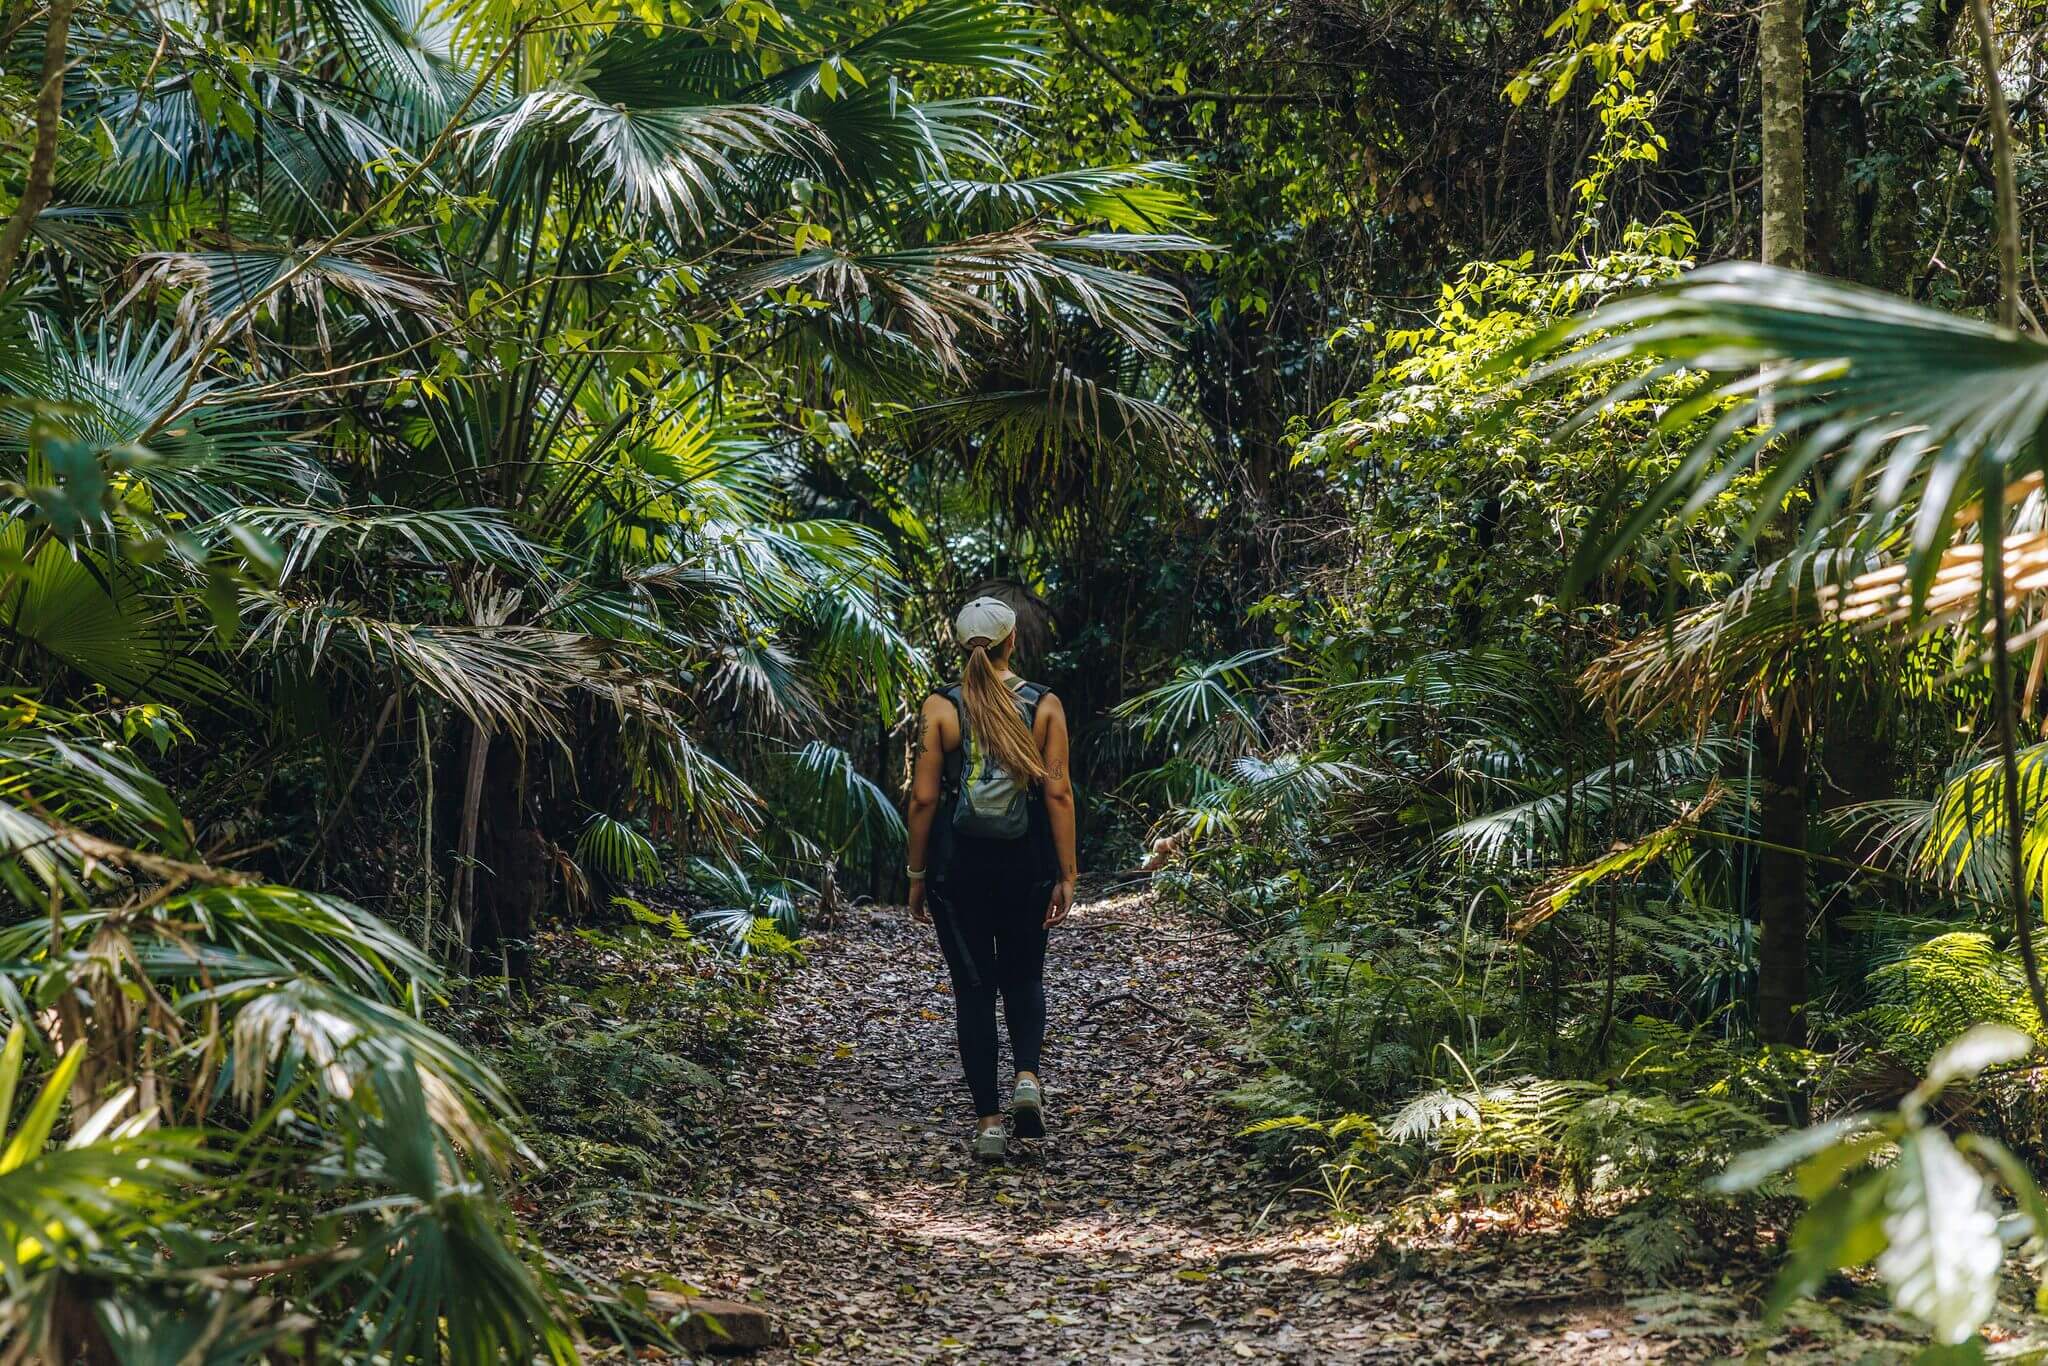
pixel 1653 1238
pixel 1428 1112
pixel 1941 987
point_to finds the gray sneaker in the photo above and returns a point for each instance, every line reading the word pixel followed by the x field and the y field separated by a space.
pixel 1027 1109
pixel 992 1145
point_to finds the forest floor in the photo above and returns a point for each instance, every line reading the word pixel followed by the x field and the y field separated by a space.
pixel 842 1195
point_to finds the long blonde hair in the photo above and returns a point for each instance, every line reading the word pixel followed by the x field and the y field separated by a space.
pixel 992 716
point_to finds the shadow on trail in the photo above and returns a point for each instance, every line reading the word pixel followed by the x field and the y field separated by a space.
pixel 1136 1232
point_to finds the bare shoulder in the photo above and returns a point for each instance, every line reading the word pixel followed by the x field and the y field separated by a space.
pixel 1049 712
pixel 938 720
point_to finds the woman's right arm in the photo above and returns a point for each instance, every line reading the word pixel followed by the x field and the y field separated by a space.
pixel 927 767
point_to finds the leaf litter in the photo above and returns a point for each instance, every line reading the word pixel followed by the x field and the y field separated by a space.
pixel 841 1195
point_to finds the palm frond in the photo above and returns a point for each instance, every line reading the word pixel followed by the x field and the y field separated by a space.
pixel 615 848
pixel 1291 786
pixel 1647 784
pixel 1202 709
pixel 505 678
pixel 666 163
pixel 438 536
pixel 1137 197
pixel 1912 409
pixel 222 283
pixel 842 804
pixel 113 388
pixel 99 618
pixel 95 1187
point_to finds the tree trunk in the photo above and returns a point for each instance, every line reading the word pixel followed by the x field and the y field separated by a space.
pixel 2008 239
pixel 42 160
pixel 514 871
pixel 1781 881
pixel 1781 59
pixel 1781 817
pixel 2024 922
pixel 1839 207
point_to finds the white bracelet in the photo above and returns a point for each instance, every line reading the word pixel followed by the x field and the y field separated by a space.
pixel 914 874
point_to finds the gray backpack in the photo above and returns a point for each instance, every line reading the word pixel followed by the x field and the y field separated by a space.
pixel 989 802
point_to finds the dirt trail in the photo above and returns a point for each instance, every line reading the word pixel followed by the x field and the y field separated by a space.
pixel 1136 1232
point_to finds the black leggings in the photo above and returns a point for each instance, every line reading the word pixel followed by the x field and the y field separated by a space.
pixel 991 925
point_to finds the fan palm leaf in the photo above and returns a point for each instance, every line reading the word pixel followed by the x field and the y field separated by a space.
pixel 666 163
pixel 999 36
pixel 410 54
pixel 1881 402
pixel 230 282
pixel 122 391
pixel 96 617
pixel 441 1279
pixel 1652 783
pixel 505 678
pixel 438 535
pixel 1136 197
pixel 843 805
pixel 1202 710
pixel 615 848
pixel 882 142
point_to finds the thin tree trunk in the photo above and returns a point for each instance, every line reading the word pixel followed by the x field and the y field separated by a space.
pixel 1781 882
pixel 2002 164
pixel 1994 519
pixel 42 161
pixel 2009 768
pixel 1781 817
pixel 1781 57
pixel 462 894
pixel 1613 894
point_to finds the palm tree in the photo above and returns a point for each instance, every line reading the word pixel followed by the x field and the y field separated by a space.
pixel 383 371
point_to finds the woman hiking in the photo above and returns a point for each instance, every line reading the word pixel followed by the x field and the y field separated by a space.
pixel 992 858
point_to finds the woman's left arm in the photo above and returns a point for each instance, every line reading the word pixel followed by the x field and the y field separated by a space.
pixel 1059 804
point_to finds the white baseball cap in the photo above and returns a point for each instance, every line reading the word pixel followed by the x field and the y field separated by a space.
pixel 988 619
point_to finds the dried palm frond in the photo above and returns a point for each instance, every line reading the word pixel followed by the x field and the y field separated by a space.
pixel 1625 857
pixel 225 280
pixel 506 678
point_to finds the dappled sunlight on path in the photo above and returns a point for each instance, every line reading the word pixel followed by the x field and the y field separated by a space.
pixel 1137 1231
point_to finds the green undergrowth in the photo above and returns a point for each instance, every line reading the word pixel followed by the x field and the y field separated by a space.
pixel 1415 1062
pixel 1423 1070
pixel 618 1058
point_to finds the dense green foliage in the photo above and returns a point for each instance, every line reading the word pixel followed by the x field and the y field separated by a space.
pixel 455 453
pixel 480 476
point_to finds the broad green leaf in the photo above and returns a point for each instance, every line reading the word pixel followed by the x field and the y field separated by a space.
pixel 1824 1170
pixel 35 1128
pixel 1749 1170
pixel 1844 1228
pixel 10 1070
pixel 1943 1255
pixel 2017 1178
pixel 1976 1048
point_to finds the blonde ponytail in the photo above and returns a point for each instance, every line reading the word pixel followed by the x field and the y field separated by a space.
pixel 997 728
